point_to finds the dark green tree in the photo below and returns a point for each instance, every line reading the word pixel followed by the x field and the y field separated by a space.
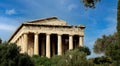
pixel 118 21
pixel 90 3
pixel 0 40
pixel 55 60
pixel 25 60
pixel 41 61
pixel 75 57
pixel 102 43
pixel 84 49
pixel 113 51
pixel 102 60
pixel 10 56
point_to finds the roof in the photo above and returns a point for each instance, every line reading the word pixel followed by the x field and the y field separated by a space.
pixel 33 23
pixel 42 19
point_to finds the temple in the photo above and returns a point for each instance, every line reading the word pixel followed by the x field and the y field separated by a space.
pixel 47 37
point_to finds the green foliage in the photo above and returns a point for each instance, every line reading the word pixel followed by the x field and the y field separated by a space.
pixel 25 60
pixel 56 60
pixel 102 43
pixel 102 60
pixel 90 3
pixel 116 63
pixel 118 21
pixel 10 56
pixel 75 57
pixel 113 51
pixel 41 61
pixel 0 40
pixel 84 49
pixel 109 46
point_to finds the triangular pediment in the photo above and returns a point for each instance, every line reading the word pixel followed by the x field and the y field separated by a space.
pixel 48 21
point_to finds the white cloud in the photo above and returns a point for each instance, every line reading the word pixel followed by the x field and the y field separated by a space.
pixel 10 12
pixel 62 2
pixel 72 6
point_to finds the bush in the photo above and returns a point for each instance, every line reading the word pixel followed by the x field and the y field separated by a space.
pixel 10 56
pixel 41 61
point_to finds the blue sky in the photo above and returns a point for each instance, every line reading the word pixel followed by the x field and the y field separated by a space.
pixel 98 21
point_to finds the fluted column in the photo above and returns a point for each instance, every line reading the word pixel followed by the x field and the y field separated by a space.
pixel 22 43
pixel 59 45
pixel 36 42
pixel 70 42
pixel 25 40
pixel 48 45
pixel 81 41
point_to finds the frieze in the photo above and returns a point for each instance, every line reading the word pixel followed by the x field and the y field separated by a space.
pixel 73 29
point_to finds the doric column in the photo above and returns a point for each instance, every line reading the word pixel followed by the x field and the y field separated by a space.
pixel 48 45
pixel 81 41
pixel 22 43
pixel 70 42
pixel 59 45
pixel 25 40
pixel 36 42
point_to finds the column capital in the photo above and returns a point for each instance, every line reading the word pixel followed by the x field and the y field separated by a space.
pixel 81 35
pixel 71 34
pixel 59 34
pixel 48 33
pixel 36 33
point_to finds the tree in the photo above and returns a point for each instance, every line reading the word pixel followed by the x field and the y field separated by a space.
pixel 102 43
pixel 0 40
pixel 10 56
pixel 84 49
pixel 55 60
pixel 102 60
pixel 90 3
pixel 118 21
pixel 109 46
pixel 113 51
pixel 41 61
pixel 75 57
pixel 25 60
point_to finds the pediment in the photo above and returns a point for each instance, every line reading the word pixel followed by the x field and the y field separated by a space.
pixel 48 21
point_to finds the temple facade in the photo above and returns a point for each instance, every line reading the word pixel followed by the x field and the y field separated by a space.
pixel 47 37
